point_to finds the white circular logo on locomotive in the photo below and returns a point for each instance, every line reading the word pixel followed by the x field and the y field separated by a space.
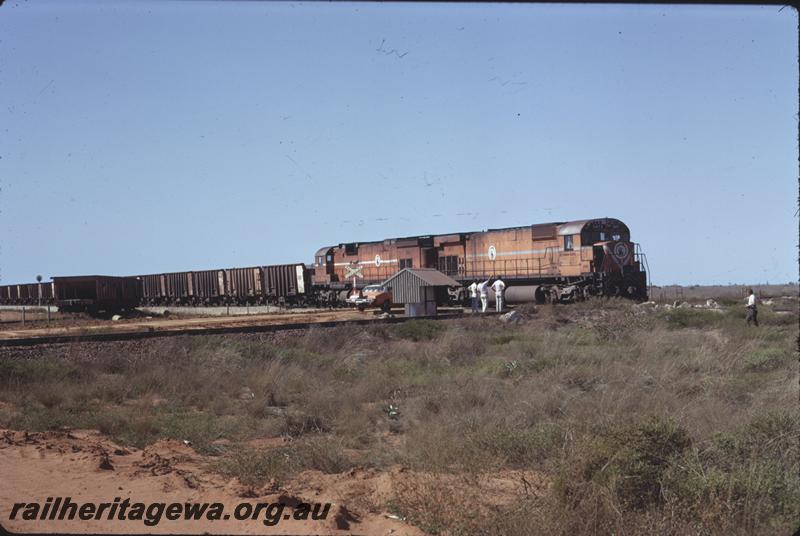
pixel 621 250
pixel 492 253
pixel 377 260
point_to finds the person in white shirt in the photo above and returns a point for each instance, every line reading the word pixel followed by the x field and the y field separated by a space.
pixel 483 290
pixel 499 287
pixel 752 311
pixel 473 295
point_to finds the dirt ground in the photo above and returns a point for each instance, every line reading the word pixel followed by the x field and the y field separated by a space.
pixel 87 467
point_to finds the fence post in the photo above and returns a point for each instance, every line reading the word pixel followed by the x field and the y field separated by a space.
pixel 23 315
pixel 48 315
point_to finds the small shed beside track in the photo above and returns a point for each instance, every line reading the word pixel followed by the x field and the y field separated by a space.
pixel 420 289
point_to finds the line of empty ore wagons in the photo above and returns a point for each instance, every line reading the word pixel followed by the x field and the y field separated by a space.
pixel 288 284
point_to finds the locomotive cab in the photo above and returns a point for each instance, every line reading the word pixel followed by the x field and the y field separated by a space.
pixel 323 266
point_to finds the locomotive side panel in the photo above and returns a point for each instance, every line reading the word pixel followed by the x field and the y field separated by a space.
pixel 450 253
pixel 570 253
pixel 375 261
pixel 513 253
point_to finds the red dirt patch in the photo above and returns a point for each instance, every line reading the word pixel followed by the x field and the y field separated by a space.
pixel 87 467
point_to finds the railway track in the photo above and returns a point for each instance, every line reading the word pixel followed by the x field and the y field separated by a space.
pixel 204 326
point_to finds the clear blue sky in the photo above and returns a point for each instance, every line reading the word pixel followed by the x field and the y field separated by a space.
pixel 140 137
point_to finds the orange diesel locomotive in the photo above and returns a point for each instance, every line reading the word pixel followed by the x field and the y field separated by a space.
pixel 547 262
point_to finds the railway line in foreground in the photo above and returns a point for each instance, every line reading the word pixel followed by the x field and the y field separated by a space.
pixel 153 328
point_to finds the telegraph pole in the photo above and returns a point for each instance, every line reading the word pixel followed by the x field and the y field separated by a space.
pixel 39 289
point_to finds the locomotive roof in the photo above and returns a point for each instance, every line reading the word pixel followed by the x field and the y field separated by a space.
pixel 575 227
pixel 569 227
pixel 321 252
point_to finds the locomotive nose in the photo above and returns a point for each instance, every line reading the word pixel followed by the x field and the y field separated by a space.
pixel 622 252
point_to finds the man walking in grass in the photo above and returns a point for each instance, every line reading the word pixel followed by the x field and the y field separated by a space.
pixel 752 310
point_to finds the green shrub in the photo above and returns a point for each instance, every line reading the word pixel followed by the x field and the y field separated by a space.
pixel 747 494
pixel 515 446
pixel 26 371
pixel 255 467
pixel 692 318
pixel 323 453
pixel 628 460
pixel 420 330
pixel 202 429
pixel 765 359
pixel 502 339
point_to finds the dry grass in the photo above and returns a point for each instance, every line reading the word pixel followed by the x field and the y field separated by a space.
pixel 673 422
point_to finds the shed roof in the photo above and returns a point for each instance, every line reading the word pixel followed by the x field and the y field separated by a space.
pixel 429 277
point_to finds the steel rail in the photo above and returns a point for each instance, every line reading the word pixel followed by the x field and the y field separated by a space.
pixel 154 333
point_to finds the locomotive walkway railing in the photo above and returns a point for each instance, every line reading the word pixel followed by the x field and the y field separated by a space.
pixel 641 257
pixel 510 268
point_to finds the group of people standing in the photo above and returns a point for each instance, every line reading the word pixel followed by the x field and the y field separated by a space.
pixel 481 291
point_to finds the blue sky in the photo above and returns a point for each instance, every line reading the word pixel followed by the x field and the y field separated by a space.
pixel 140 137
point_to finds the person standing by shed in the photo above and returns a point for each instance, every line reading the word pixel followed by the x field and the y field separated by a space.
pixel 752 310
pixel 473 295
pixel 483 290
pixel 499 287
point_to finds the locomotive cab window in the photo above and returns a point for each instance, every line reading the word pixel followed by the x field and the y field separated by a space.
pixel 568 243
